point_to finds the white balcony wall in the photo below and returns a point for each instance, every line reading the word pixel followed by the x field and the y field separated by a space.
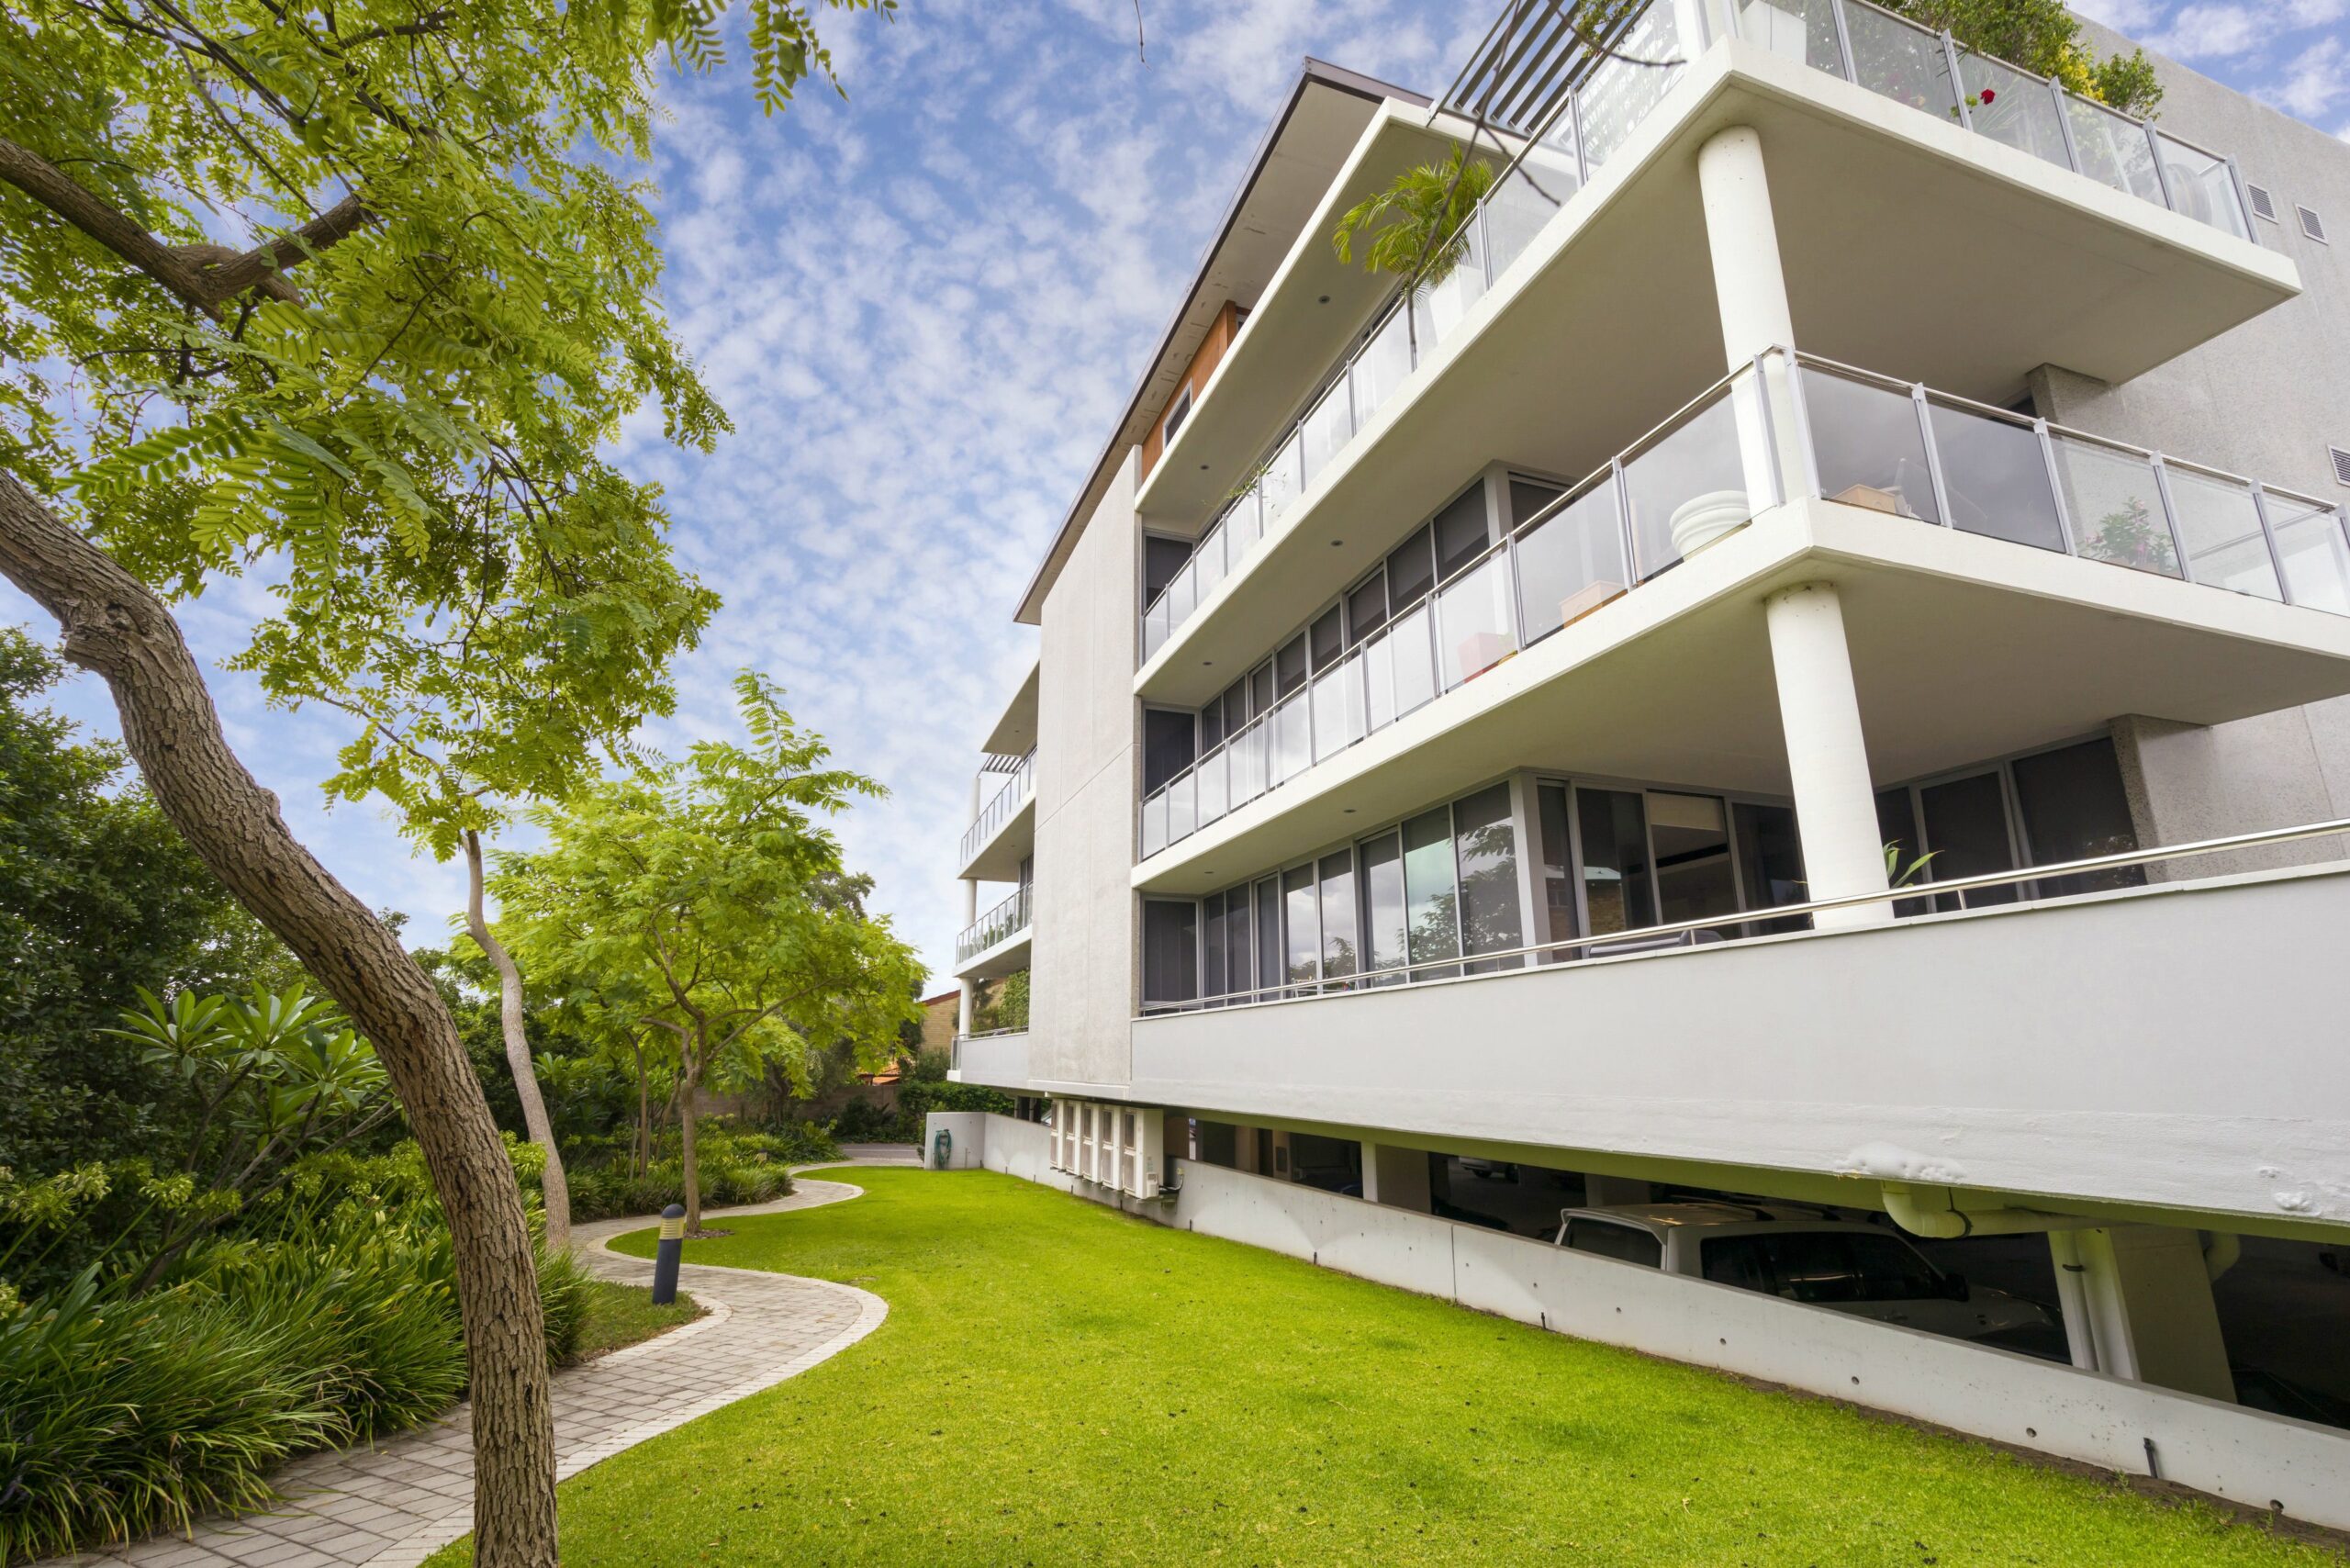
pixel 2175 1047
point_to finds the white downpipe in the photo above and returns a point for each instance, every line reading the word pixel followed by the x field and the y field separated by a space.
pixel 1827 760
pixel 1934 1212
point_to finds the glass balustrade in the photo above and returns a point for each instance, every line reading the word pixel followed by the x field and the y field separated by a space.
pixel 1887 54
pixel 1917 456
pixel 999 926
pixel 1001 806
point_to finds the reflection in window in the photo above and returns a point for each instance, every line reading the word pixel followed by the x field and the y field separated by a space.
pixel 1382 901
pixel 1429 892
pixel 1170 946
pixel 1558 869
pixel 1615 861
pixel 2073 808
pixel 1301 924
pixel 1487 844
pixel 1693 878
pixel 1966 828
pixel 1771 863
pixel 1338 941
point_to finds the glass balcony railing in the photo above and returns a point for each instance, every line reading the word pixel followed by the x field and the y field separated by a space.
pixel 1888 55
pixel 1788 424
pixel 1000 924
pixel 1001 807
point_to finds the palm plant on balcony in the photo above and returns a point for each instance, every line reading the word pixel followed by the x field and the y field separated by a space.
pixel 1417 226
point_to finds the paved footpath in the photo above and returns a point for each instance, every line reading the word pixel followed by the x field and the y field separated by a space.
pixel 395 1505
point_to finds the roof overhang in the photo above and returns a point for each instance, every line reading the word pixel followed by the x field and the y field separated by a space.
pixel 1308 141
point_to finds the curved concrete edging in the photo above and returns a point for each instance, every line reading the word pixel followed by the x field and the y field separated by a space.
pixel 395 1503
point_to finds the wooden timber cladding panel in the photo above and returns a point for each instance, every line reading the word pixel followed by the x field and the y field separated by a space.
pixel 1204 359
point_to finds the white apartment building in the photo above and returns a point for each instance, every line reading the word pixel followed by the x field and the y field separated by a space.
pixel 1478 729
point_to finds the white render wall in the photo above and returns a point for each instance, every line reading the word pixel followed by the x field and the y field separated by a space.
pixel 2176 1049
pixel 2225 1449
pixel 1083 985
pixel 2265 400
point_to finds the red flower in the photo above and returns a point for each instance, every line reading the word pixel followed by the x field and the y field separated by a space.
pixel 1989 95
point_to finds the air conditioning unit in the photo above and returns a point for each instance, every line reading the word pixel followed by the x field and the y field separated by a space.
pixel 1122 1148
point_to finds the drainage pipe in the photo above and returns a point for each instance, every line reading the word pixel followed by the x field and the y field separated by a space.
pixel 1934 1212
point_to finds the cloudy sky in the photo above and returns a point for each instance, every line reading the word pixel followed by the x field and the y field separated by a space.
pixel 925 307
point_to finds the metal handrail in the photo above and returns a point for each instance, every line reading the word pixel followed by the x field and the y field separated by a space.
pixel 990 1033
pixel 1291 991
pixel 1013 914
pixel 1001 806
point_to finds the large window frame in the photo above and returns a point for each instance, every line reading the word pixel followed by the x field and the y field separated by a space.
pixel 2023 854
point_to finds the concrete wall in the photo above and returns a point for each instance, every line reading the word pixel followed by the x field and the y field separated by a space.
pixel 1023 1149
pixel 1000 1062
pixel 968 1129
pixel 2177 1048
pixel 1088 761
pixel 2222 1448
pixel 2265 400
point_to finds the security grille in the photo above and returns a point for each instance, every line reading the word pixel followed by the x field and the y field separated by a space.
pixel 2263 204
pixel 2311 224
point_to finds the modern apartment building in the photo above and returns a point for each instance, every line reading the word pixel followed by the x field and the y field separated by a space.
pixel 1807 664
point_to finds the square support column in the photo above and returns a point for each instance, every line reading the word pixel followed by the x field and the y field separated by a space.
pixel 2139 1306
pixel 1396 1177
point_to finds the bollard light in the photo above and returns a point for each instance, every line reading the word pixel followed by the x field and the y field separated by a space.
pixel 665 1261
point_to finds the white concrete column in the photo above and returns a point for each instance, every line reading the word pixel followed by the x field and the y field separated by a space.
pixel 1750 286
pixel 1397 1176
pixel 2141 1309
pixel 1608 1191
pixel 1750 292
pixel 1821 714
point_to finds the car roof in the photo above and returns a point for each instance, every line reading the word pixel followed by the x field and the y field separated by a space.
pixel 1663 1217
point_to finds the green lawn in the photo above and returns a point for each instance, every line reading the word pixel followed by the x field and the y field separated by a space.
pixel 620 1315
pixel 1056 1383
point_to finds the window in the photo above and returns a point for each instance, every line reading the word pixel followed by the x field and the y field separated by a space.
pixel 1329 638
pixel 1161 559
pixel 1485 838
pixel 2073 808
pixel 1301 923
pixel 1740 1260
pixel 1558 869
pixel 1168 737
pixel 1211 918
pixel 1528 497
pixel 1367 606
pixel 1966 831
pixel 1269 934
pixel 1411 571
pixel 1289 666
pixel 1177 412
pixel 1260 688
pixel 1601 1239
pixel 1429 891
pixel 1462 532
pixel 1615 861
pixel 1382 902
pixel 1171 947
pixel 1693 878
pixel 1340 945
pixel 1770 860
pixel 2263 204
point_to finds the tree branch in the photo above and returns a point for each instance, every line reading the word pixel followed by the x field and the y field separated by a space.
pixel 201 275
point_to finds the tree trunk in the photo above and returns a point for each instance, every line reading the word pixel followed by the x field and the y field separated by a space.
pixel 116 626
pixel 688 1094
pixel 643 1151
pixel 553 1185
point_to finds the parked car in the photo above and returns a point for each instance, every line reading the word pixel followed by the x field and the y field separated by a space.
pixel 1789 1251
pixel 1489 1169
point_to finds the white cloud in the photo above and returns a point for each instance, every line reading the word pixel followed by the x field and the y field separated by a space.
pixel 2313 81
pixel 2200 32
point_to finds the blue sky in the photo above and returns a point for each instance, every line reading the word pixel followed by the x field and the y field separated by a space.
pixel 924 309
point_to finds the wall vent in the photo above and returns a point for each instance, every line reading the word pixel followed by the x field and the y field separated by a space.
pixel 2263 204
pixel 2341 464
pixel 2311 224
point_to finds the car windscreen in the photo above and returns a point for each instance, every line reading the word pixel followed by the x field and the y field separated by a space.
pixel 1822 1266
pixel 1618 1242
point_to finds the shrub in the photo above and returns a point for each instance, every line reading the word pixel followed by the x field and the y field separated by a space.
pixel 329 1316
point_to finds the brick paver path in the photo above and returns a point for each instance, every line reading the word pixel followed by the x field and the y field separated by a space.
pixel 395 1505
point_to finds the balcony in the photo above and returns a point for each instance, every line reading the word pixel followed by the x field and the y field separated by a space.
pixel 997 942
pixel 2171 1046
pixel 998 1058
pixel 1005 832
pixel 1894 453
pixel 2054 230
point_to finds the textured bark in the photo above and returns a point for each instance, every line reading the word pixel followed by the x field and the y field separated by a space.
pixel 117 627
pixel 552 1184
pixel 689 1164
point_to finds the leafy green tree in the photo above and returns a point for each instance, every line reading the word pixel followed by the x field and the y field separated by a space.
pixel 386 400
pixel 709 909
pixel 1414 226
pixel 99 896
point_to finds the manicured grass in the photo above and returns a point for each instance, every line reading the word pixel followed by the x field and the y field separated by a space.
pixel 620 1315
pixel 1057 1383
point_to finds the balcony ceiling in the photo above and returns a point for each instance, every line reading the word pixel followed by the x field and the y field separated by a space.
pixel 1964 649
pixel 1911 246
pixel 998 859
pixel 1014 731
